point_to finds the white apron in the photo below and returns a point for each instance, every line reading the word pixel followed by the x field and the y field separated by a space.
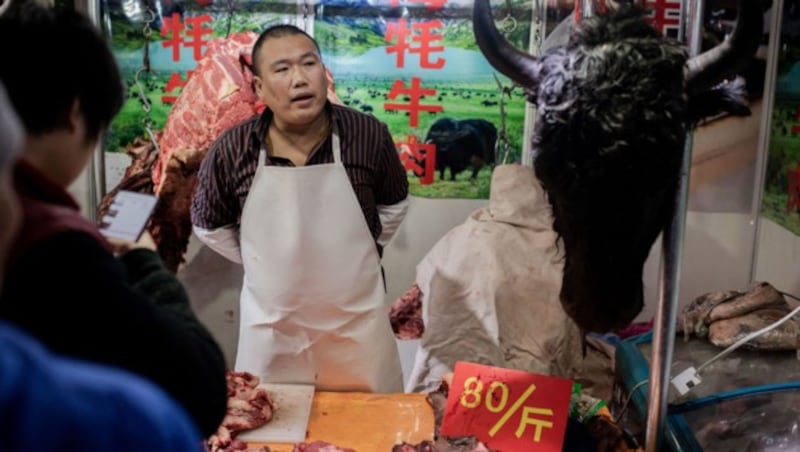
pixel 312 303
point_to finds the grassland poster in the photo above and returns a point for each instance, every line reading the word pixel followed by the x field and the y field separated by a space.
pixel 410 63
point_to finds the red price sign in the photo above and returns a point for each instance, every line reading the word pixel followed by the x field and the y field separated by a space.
pixel 508 410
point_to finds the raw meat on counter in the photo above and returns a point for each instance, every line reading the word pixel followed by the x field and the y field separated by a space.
pixel 249 407
pixel 693 318
pixel 319 446
pixel 724 333
pixel 727 316
pixel 406 315
pixel 466 444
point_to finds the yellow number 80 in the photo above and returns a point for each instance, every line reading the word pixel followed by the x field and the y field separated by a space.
pixel 471 397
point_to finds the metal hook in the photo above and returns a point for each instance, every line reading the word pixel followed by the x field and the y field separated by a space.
pixel 147 31
pixel 305 17
pixel 508 24
pixel 150 16
pixel 148 126
pixel 142 96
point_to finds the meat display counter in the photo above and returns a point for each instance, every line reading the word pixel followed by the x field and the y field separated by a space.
pixel 748 400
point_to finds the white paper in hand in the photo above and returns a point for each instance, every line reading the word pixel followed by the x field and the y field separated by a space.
pixel 128 215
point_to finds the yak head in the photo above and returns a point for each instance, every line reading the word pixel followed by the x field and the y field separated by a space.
pixel 614 106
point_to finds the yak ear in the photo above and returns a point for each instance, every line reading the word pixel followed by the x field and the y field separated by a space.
pixel 726 98
pixel 706 70
pixel 511 62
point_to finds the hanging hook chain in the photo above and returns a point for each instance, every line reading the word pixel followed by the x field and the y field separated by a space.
pixel 306 13
pixel 147 31
pixel 509 23
pixel 503 142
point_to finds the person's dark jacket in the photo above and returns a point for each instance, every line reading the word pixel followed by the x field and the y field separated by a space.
pixel 69 291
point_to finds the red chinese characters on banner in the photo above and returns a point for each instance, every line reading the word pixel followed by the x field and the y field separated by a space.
pixel 414 95
pixel 414 154
pixel 793 191
pixel 190 35
pixel 173 26
pixel 796 126
pixel 430 4
pixel 175 82
pixel 424 38
pixel 665 15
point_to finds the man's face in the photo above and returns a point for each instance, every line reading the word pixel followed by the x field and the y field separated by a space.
pixel 292 79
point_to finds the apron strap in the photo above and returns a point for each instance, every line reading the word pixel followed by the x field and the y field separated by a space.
pixel 337 150
pixel 335 143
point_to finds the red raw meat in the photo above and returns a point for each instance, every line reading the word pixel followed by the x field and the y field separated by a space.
pixel 249 407
pixel 319 446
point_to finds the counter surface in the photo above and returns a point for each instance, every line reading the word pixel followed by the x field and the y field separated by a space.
pixel 366 422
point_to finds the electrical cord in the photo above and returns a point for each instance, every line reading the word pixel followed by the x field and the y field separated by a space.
pixel 720 355
pixel 751 336
pixel 628 400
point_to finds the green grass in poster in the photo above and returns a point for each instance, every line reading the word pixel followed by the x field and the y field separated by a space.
pixel 783 157
pixel 348 37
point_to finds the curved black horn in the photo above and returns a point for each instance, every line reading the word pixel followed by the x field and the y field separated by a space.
pixel 726 59
pixel 513 63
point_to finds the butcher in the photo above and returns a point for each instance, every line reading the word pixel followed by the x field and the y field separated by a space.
pixel 305 196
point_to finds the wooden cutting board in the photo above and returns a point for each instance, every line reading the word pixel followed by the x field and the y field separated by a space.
pixel 366 422
pixel 290 421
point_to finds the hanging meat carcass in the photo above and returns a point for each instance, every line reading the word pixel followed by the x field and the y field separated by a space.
pixel 218 95
pixel 614 106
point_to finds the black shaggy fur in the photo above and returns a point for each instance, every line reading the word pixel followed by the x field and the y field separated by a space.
pixel 614 110
pixel 613 119
pixel 608 144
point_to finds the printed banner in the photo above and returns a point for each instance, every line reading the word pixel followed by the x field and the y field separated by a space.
pixel 413 64
pixel 781 202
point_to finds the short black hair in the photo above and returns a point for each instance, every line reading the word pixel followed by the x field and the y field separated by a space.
pixel 58 56
pixel 278 31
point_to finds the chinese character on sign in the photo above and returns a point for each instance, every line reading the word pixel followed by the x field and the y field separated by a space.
pixel 175 82
pixel 424 38
pixel 793 191
pixel 412 95
pixel 414 154
pixel 664 15
pixel 796 127
pixel 173 26
pixel 194 32
pixel 430 4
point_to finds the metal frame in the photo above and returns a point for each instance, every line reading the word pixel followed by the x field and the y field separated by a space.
pixel 765 131
pixel 96 177
pixel 538 31
pixel 670 270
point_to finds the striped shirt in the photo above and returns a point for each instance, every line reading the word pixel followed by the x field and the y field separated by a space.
pixel 368 154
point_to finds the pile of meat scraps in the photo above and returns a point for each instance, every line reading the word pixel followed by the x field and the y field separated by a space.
pixel 249 407
pixel 727 316
pixel 405 315
pixel 319 446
